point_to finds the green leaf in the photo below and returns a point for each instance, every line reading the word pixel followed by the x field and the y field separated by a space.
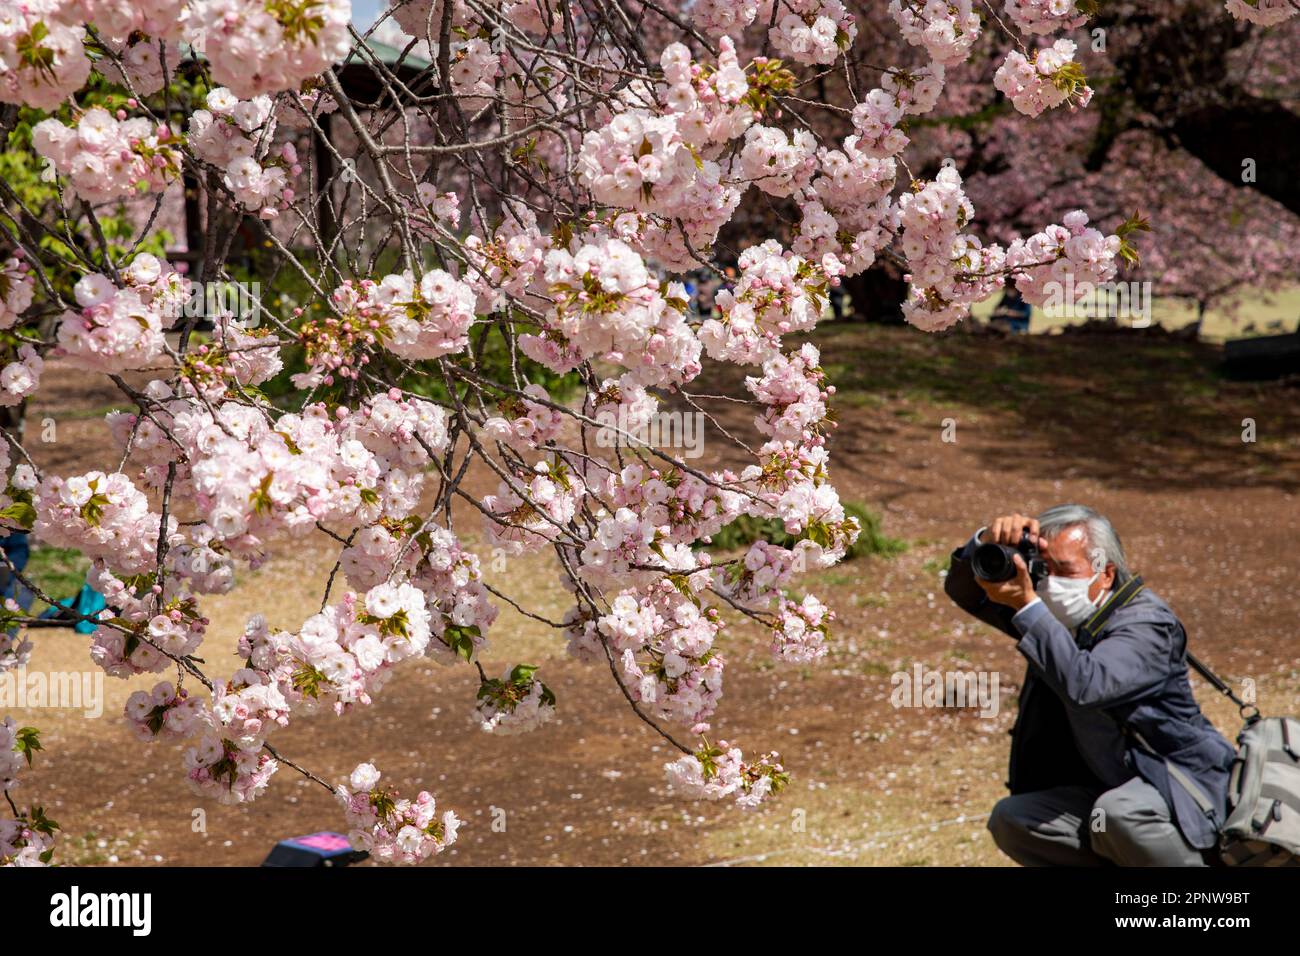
pixel 1134 223
pixel 523 673
pixel 39 822
pixel 28 741
pixel 20 513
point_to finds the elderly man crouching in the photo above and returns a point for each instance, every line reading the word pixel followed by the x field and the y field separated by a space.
pixel 1112 760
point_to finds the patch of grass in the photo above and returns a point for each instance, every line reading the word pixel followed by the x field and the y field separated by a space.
pixel 92 849
pixel 935 566
pixel 872 540
pixel 837 579
pixel 59 572
pixel 87 414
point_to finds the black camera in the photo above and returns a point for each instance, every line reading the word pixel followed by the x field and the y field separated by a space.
pixel 994 562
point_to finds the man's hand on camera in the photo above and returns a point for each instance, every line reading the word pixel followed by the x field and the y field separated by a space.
pixel 1016 592
pixel 1008 530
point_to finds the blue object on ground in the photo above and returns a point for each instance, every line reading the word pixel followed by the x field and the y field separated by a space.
pixel 87 602
pixel 17 550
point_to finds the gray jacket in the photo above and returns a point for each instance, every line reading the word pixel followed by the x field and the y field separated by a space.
pixel 1087 695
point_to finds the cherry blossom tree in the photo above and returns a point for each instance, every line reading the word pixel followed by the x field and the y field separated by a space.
pixel 1193 116
pixel 1194 120
pixel 514 200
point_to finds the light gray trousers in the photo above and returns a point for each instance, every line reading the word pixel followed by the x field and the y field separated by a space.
pixel 1074 826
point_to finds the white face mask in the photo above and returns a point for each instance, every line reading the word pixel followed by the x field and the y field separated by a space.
pixel 1067 598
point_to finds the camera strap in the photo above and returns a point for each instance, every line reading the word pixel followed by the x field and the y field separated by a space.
pixel 1089 629
pixel 1222 687
pixel 1126 593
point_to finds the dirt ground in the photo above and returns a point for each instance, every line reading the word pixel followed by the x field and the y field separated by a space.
pixel 1141 429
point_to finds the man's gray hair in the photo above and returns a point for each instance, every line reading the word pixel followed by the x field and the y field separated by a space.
pixel 1101 534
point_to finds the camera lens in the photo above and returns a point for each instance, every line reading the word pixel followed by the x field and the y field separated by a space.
pixel 993 562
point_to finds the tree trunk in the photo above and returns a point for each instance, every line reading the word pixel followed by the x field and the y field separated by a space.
pixel 877 295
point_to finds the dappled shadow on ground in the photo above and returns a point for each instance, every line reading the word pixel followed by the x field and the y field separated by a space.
pixel 1125 410
pixel 1121 409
